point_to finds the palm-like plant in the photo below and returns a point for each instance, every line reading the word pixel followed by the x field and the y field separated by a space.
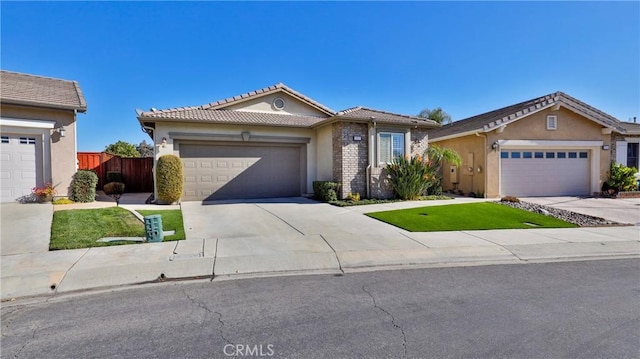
pixel 435 156
pixel 437 114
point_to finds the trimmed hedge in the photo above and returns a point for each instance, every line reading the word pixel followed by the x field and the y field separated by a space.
pixel 83 186
pixel 113 176
pixel 169 179
pixel 113 188
pixel 326 191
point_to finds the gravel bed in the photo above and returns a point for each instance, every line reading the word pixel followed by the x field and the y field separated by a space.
pixel 581 220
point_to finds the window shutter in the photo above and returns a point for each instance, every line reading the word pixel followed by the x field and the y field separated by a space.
pixel 384 148
pixel 621 152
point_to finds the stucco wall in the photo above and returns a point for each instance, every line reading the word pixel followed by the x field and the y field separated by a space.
pixel 324 153
pixel 471 150
pixel 210 131
pixel 265 104
pixel 63 161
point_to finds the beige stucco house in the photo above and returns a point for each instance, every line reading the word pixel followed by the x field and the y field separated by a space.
pixel 548 146
pixel 274 142
pixel 38 133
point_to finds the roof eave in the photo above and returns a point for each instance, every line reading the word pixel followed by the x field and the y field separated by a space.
pixel 456 135
pixel 81 109
pixel 143 119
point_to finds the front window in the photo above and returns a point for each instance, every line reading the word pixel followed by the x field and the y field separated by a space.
pixel 632 154
pixel 390 146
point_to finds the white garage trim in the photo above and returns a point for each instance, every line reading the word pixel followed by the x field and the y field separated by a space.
pixel 592 146
pixel 546 143
pixel 41 134
pixel 5 121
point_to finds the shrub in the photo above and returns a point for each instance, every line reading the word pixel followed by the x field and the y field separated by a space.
pixel 435 157
pixel 83 186
pixel 114 190
pixel 510 199
pixel 169 180
pixel 622 178
pixel 355 197
pixel 113 176
pixel 62 201
pixel 326 191
pixel 410 177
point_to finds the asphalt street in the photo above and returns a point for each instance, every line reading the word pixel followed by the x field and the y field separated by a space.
pixel 573 309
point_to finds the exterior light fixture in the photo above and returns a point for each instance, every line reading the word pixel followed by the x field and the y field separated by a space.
pixel 164 142
pixel 495 145
pixel 62 131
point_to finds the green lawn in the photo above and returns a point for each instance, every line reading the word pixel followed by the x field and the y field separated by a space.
pixel 472 216
pixel 81 228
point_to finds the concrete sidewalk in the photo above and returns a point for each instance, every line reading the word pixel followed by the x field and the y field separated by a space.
pixel 301 236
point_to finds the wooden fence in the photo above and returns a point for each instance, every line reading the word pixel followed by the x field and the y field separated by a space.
pixel 137 173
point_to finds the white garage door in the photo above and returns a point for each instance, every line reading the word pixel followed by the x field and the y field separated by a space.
pixel 539 172
pixel 230 171
pixel 18 165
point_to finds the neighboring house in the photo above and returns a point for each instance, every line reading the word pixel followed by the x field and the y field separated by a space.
pixel 38 133
pixel 548 146
pixel 274 142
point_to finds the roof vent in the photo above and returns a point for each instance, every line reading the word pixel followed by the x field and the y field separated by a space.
pixel 153 109
pixel 278 103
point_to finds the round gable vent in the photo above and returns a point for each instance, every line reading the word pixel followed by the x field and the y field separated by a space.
pixel 278 103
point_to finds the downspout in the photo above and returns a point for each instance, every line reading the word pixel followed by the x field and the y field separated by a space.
pixel 75 136
pixel 371 158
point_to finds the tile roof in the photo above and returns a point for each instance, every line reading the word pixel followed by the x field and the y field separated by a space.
pixel 363 113
pixel 631 127
pixel 214 112
pixel 494 119
pixel 267 90
pixel 25 89
pixel 198 114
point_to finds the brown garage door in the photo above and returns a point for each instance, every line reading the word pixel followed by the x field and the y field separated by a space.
pixel 236 171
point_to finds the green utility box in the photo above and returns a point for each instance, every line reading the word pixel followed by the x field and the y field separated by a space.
pixel 153 228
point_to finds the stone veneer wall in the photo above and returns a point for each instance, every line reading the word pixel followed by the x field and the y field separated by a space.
pixel 350 158
pixel 419 141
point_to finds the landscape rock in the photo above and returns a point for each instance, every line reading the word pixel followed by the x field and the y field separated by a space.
pixel 579 219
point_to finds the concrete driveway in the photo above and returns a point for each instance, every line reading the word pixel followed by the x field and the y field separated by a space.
pixel 622 210
pixel 271 235
pixel 25 228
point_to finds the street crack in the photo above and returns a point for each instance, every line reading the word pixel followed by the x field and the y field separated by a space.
pixel 393 320
pixel 33 336
pixel 218 314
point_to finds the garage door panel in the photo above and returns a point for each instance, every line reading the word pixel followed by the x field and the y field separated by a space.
pixel 19 169
pixel 240 171
pixel 544 176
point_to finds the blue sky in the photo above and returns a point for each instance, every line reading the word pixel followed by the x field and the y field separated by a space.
pixel 466 57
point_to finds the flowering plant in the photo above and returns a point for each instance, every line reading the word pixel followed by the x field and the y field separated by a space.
pixel 47 190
